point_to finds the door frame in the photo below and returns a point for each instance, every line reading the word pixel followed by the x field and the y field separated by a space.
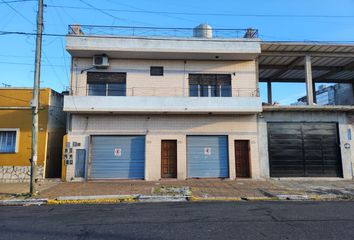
pixel 249 158
pixel 161 166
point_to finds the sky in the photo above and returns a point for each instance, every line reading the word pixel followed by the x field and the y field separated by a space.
pixel 276 20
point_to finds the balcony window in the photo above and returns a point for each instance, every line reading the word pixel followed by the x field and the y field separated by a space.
pixel 97 89
pixel 210 85
pixel 106 84
pixel 8 141
pixel 116 89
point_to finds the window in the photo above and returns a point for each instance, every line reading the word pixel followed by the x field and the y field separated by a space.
pixel 106 84
pixel 116 89
pixel 210 85
pixel 156 71
pixel 97 89
pixel 8 141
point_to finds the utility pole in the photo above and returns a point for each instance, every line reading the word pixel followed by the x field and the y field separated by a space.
pixel 35 100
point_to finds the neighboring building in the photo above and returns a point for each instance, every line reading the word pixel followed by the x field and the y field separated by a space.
pixel 15 134
pixel 307 140
pixel 188 107
pixel 337 94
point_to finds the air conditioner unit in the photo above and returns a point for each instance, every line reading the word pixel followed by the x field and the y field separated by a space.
pixel 100 61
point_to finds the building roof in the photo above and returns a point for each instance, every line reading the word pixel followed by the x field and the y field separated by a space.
pixel 312 108
pixel 284 62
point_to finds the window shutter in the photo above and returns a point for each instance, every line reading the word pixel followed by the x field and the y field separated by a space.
pixel 106 77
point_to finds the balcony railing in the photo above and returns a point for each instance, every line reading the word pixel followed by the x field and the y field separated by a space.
pixel 227 33
pixel 168 92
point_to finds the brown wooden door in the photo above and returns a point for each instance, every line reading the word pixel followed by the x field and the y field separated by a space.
pixel 242 158
pixel 168 158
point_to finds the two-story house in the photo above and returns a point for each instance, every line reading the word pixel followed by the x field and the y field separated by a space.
pixel 162 107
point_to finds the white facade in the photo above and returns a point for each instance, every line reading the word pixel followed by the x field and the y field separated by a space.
pixel 162 107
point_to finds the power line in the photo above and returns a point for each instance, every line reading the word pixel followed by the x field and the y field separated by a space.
pixel 28 101
pixel 55 72
pixel 29 64
pixel 206 14
pixel 172 39
pixel 158 13
pixel 17 1
pixel 103 11
pixel 28 56
pixel 15 10
pixel 62 47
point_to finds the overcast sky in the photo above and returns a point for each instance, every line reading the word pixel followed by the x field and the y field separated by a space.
pixel 322 20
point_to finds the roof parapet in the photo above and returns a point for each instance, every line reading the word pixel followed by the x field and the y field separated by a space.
pixel 201 31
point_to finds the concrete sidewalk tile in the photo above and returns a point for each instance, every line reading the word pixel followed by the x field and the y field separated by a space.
pixel 212 189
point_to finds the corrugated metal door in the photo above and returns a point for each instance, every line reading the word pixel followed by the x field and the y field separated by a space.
pixel 207 156
pixel 118 157
pixel 304 150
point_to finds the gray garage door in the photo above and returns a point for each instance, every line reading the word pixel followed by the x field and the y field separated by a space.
pixel 304 150
pixel 117 157
pixel 207 156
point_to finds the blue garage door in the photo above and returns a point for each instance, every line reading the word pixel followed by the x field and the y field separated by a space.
pixel 118 157
pixel 207 156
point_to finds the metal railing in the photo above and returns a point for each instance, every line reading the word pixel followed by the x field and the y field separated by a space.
pixel 227 33
pixel 167 92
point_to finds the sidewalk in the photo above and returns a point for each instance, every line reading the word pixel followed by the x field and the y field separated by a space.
pixel 13 190
pixel 197 189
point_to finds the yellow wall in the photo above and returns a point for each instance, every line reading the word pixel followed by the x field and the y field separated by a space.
pixel 22 119
pixel 63 166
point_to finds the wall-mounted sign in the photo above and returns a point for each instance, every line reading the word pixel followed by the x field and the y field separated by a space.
pixel 347 146
pixel 117 152
pixel 207 151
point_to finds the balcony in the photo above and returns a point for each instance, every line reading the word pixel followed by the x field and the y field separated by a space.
pixel 166 100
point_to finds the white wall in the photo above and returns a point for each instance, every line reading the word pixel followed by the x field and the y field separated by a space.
pixel 175 79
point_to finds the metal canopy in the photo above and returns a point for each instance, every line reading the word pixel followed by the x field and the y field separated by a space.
pixel 285 62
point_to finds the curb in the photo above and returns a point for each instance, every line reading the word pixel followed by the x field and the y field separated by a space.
pixel 90 201
pixel 163 198
pixel 331 198
pixel 260 199
pixel 98 199
pixel 209 199
pixel 114 199
pixel 24 202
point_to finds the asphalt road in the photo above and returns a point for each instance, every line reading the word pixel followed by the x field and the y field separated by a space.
pixel 232 220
